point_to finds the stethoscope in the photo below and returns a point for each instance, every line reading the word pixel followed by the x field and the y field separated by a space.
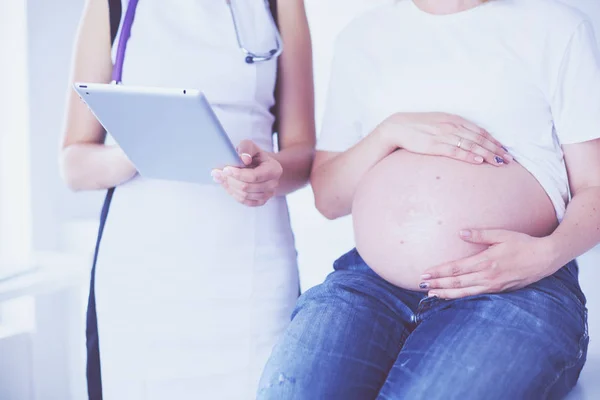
pixel 250 56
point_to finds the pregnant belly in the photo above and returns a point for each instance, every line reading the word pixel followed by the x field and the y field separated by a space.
pixel 409 208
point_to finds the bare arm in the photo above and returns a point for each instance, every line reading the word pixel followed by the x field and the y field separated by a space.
pixel 580 228
pixel 86 163
pixel 575 109
pixel 335 176
pixel 296 98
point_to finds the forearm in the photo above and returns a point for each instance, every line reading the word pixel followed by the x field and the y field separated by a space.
pixel 580 228
pixel 296 162
pixel 335 181
pixel 93 166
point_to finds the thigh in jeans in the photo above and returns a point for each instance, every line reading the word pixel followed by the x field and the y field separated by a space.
pixel 344 337
pixel 527 344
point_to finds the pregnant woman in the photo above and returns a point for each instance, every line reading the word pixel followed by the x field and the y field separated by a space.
pixel 194 283
pixel 462 136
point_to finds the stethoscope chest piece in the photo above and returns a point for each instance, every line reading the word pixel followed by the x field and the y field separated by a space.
pixel 251 56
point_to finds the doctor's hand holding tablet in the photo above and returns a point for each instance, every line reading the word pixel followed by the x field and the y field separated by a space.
pixel 257 182
pixel 174 134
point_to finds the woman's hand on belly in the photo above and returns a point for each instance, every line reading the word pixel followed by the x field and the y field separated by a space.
pixel 512 261
pixel 446 135
pixel 256 184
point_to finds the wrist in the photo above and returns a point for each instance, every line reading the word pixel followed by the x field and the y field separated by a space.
pixel 553 253
pixel 385 139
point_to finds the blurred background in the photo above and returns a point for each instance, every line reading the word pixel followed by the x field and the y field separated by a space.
pixel 47 233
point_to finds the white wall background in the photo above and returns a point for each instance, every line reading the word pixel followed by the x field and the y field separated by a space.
pixel 51 29
pixel 15 218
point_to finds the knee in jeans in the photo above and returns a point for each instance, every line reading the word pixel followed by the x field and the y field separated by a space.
pixel 318 294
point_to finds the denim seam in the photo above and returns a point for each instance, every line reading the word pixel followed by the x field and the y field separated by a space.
pixel 573 363
pixel 582 309
pixel 570 293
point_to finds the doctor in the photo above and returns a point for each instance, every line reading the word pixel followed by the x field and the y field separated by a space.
pixel 193 284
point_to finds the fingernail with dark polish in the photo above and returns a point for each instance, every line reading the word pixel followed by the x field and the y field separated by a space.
pixel 499 160
pixel 424 285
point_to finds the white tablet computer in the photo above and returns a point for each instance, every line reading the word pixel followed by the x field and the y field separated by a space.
pixel 170 134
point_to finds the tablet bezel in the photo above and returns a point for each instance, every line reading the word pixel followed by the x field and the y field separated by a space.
pixel 188 141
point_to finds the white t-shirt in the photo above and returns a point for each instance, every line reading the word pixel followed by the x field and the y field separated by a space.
pixel 528 71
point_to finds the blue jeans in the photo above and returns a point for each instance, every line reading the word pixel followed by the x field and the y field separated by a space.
pixel 357 336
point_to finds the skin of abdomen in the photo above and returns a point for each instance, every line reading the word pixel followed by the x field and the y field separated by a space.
pixel 408 211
